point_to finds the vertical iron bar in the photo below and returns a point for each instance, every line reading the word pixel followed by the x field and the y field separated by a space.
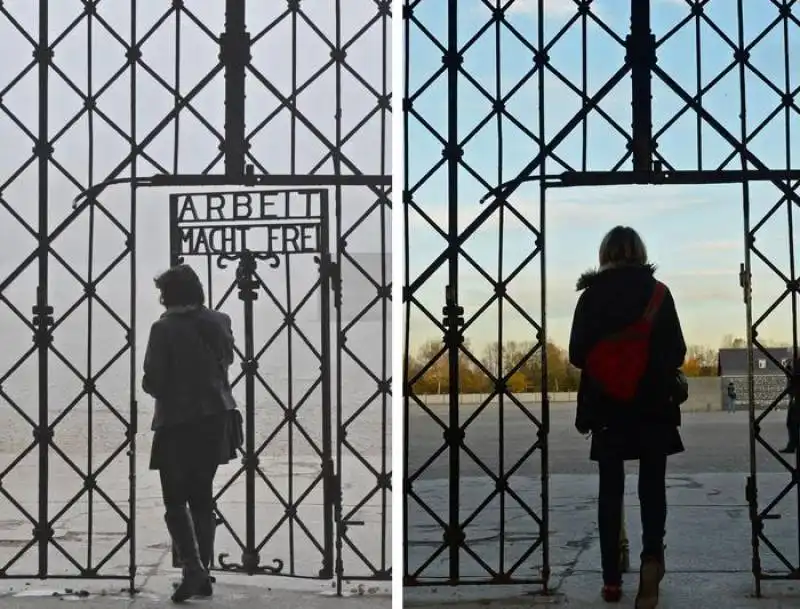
pixel 752 482
pixel 290 395
pixel 290 407
pixel 340 333
pixel 406 253
pixel 788 112
pixel 454 519
pixel 641 56
pixel 501 372
pixel 210 281
pixel 544 432
pixel 42 292
pixel 329 473
pixel 174 234
pixel 386 342
pixel 134 413
pixel 584 87
pixel 90 300
pixel 235 55
pixel 699 87
pixel 250 558
pixel 176 99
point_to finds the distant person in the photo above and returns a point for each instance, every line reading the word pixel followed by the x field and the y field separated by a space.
pixel 627 341
pixel 186 371
pixel 793 412
pixel 730 398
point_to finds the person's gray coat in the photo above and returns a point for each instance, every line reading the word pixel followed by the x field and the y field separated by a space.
pixel 186 365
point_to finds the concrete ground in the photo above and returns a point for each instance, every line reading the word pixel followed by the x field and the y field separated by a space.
pixel 238 596
pixel 709 553
pixel 230 591
pixel 153 553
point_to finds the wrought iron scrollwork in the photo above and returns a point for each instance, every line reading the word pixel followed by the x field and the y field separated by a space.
pixel 272 260
pixel 250 565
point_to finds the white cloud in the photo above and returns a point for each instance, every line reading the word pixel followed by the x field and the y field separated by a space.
pixel 581 206
pixel 551 7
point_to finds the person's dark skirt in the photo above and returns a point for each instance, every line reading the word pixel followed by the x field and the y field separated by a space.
pixel 632 442
pixel 205 441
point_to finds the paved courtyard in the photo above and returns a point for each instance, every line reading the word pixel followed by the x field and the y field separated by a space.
pixel 709 532
pixel 227 595
pixel 153 556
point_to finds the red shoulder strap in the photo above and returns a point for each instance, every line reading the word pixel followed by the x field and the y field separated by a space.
pixel 655 302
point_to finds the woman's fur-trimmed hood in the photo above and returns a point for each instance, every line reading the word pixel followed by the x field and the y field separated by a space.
pixel 589 277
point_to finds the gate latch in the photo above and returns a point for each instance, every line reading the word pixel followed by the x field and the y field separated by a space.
pixel 744 282
pixel 453 318
pixel 331 271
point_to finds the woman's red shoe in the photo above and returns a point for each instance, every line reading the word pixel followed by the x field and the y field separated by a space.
pixel 611 594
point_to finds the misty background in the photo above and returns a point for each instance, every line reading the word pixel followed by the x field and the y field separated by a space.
pixel 103 119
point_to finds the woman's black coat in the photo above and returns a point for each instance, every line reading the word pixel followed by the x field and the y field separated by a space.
pixel 186 365
pixel 613 299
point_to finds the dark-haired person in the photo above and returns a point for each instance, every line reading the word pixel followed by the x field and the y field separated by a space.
pixel 186 371
pixel 613 299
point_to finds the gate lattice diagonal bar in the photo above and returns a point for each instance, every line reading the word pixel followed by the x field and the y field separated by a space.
pixel 506 106
pixel 99 101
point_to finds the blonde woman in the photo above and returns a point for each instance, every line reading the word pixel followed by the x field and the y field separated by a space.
pixel 627 341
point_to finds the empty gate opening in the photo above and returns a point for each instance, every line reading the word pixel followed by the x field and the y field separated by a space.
pixel 694 234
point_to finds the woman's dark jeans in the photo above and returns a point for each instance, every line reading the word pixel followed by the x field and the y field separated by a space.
pixel 653 502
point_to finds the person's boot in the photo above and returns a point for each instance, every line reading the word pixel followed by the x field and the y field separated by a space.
pixel 195 577
pixel 205 526
pixel 176 559
pixel 611 593
pixel 649 579
pixel 788 450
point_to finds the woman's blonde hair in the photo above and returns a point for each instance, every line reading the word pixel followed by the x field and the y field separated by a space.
pixel 622 245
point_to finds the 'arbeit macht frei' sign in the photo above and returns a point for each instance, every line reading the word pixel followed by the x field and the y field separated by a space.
pixel 265 222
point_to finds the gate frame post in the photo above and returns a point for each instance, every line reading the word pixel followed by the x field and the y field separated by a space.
pixel 42 311
pixel 641 55
pixel 235 55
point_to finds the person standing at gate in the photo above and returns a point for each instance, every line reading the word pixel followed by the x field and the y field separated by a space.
pixel 186 370
pixel 627 341
pixel 793 411
pixel 730 397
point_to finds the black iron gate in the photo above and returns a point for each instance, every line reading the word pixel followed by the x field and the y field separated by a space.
pixel 101 100
pixel 699 92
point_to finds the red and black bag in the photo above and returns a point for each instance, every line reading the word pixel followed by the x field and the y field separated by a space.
pixel 617 363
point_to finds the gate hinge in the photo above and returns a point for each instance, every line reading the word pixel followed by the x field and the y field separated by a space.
pixel 453 315
pixel 42 322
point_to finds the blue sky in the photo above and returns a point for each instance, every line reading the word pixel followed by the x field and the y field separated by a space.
pixel 694 234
